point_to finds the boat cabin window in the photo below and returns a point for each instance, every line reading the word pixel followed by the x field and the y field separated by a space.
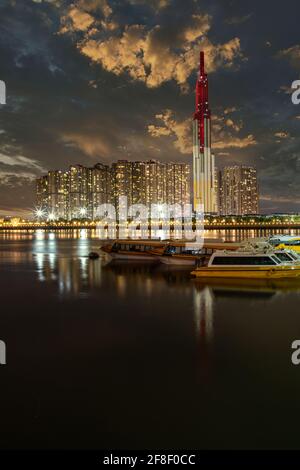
pixel 294 255
pixel 284 256
pixel 131 247
pixel 180 250
pixel 186 251
pixel 115 247
pixel 172 250
pixel 207 251
pixel 275 241
pixel 243 261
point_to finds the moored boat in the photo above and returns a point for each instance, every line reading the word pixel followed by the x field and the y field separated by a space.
pixel 247 265
pixel 134 250
pixel 288 256
pixel 183 253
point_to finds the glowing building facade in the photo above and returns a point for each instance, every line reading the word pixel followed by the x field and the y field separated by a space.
pixel 42 193
pixel 238 191
pixel 58 188
pixel 80 191
pixel 203 159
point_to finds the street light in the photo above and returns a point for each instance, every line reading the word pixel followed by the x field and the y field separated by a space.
pixel 39 213
pixel 82 211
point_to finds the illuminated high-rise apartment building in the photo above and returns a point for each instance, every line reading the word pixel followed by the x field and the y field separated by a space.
pixel 79 192
pixel 42 193
pixel 100 187
pixel 58 194
pixel 155 182
pixel 178 183
pixel 203 159
pixel 122 180
pixel 138 194
pixel 238 192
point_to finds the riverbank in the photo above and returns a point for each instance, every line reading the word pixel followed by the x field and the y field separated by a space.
pixel 94 226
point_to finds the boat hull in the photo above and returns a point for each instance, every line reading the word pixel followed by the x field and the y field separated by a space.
pixel 177 261
pixel 247 273
pixel 134 257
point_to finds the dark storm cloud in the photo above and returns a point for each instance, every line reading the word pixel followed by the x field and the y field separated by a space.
pixel 97 80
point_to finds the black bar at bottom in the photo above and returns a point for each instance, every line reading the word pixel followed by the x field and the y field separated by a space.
pixel 158 458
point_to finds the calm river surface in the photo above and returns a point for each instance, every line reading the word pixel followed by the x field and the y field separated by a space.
pixel 131 356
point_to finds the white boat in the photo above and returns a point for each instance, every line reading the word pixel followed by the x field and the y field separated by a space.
pixel 249 263
pixel 276 240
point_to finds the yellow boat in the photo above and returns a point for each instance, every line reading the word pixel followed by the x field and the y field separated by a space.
pixel 247 265
pixel 292 244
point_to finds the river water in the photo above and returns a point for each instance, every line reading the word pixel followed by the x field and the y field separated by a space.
pixel 131 356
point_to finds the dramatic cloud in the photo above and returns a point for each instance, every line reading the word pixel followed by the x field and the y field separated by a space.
pixel 91 145
pixel 161 53
pixel 239 19
pixel 19 160
pixel 76 20
pixel 155 4
pixel 117 55
pixel 235 142
pixel 236 126
pixel 282 135
pixel 181 131
pixel 292 54
pixel 140 54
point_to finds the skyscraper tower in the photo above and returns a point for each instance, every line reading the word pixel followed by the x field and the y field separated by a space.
pixel 203 160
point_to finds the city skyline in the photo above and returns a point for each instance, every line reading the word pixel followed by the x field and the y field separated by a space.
pixel 79 192
pixel 75 94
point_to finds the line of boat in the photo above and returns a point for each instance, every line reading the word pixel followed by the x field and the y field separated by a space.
pixel 253 259
pixel 183 253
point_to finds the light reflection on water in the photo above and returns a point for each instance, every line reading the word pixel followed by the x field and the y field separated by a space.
pixel 61 259
pixel 207 358
pixel 73 234
pixel 75 275
pixel 204 312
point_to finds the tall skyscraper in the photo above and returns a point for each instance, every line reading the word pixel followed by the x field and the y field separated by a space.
pixel 121 180
pixel 155 182
pixel 238 191
pixel 42 193
pixel 203 159
pixel 58 191
pixel 138 182
pixel 178 183
pixel 80 192
pixel 101 192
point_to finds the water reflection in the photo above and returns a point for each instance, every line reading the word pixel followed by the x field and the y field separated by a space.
pixel 75 273
pixel 60 258
pixel 204 313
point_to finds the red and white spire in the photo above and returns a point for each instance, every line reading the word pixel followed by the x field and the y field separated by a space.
pixel 203 161
pixel 202 110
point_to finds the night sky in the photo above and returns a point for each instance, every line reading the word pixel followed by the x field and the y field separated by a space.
pixel 99 80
